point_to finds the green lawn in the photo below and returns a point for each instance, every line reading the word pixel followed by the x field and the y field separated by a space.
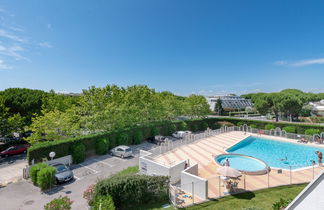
pixel 262 199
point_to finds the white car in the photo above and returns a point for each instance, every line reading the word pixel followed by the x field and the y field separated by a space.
pixel 180 134
pixel 122 151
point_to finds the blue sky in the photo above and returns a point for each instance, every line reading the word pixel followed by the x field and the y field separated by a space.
pixel 184 46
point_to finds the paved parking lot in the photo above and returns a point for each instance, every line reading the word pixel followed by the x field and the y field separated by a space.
pixel 11 168
pixel 24 195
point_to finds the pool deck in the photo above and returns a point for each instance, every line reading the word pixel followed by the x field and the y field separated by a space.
pixel 203 152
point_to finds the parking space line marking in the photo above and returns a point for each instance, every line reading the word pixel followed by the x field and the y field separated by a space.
pixel 100 161
pixel 89 168
pixel 77 178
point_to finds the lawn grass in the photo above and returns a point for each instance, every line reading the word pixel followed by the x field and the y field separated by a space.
pixel 262 199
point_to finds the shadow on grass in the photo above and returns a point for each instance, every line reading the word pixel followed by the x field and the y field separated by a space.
pixel 248 195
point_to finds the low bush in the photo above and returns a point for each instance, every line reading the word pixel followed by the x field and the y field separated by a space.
pixel 34 170
pixel 281 204
pixel 88 194
pixel 129 190
pixel 102 146
pixel 183 126
pixel 269 126
pixel 46 177
pixel 103 203
pixel 312 131
pixel 123 139
pixel 138 137
pixel 78 153
pixel 60 203
pixel 289 129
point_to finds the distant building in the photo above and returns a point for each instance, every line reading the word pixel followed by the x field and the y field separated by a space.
pixel 229 102
pixel 318 107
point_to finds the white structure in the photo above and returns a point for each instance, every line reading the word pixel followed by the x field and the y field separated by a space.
pixel 318 107
pixel 311 198
pixel 148 166
pixel 191 182
pixel 229 102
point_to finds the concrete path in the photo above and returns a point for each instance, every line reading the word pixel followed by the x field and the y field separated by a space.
pixel 23 195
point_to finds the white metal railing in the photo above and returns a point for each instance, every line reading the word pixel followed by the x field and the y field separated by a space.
pixel 169 145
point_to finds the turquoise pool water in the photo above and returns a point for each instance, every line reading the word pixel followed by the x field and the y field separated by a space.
pixel 242 163
pixel 277 154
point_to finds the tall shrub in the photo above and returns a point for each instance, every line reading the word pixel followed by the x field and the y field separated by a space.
pixel 138 137
pixel 102 145
pixel 78 153
pixel 34 170
pixel 269 127
pixel 46 177
pixel 123 139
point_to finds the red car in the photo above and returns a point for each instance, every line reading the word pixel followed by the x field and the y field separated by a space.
pixel 14 150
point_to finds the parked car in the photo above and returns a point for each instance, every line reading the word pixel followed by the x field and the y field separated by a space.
pixel 180 134
pixel 157 139
pixel 63 173
pixel 14 150
pixel 122 151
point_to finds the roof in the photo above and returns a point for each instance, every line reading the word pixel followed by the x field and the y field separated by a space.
pixel 311 198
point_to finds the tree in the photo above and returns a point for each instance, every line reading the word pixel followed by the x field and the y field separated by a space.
pixel 219 107
pixel 197 106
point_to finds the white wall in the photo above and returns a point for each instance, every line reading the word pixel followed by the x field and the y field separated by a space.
pixel 66 160
pixel 175 171
pixel 191 181
pixel 148 166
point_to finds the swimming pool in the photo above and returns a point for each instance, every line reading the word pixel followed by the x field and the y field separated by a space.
pixel 277 154
pixel 243 163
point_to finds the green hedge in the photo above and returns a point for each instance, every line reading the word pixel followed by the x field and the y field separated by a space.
pixel 182 126
pixel 78 153
pixel 269 126
pixel 312 131
pixel 172 128
pixel 46 177
pixel 138 137
pixel 130 190
pixel 63 147
pixel 102 146
pixel 300 128
pixel 34 170
pixel 289 129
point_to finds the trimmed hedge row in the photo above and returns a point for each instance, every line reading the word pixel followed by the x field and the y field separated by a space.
pixel 137 134
pixel 130 190
pixel 300 128
pixel 79 146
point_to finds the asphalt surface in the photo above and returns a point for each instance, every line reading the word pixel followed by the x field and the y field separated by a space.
pixel 24 195
pixel 12 160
